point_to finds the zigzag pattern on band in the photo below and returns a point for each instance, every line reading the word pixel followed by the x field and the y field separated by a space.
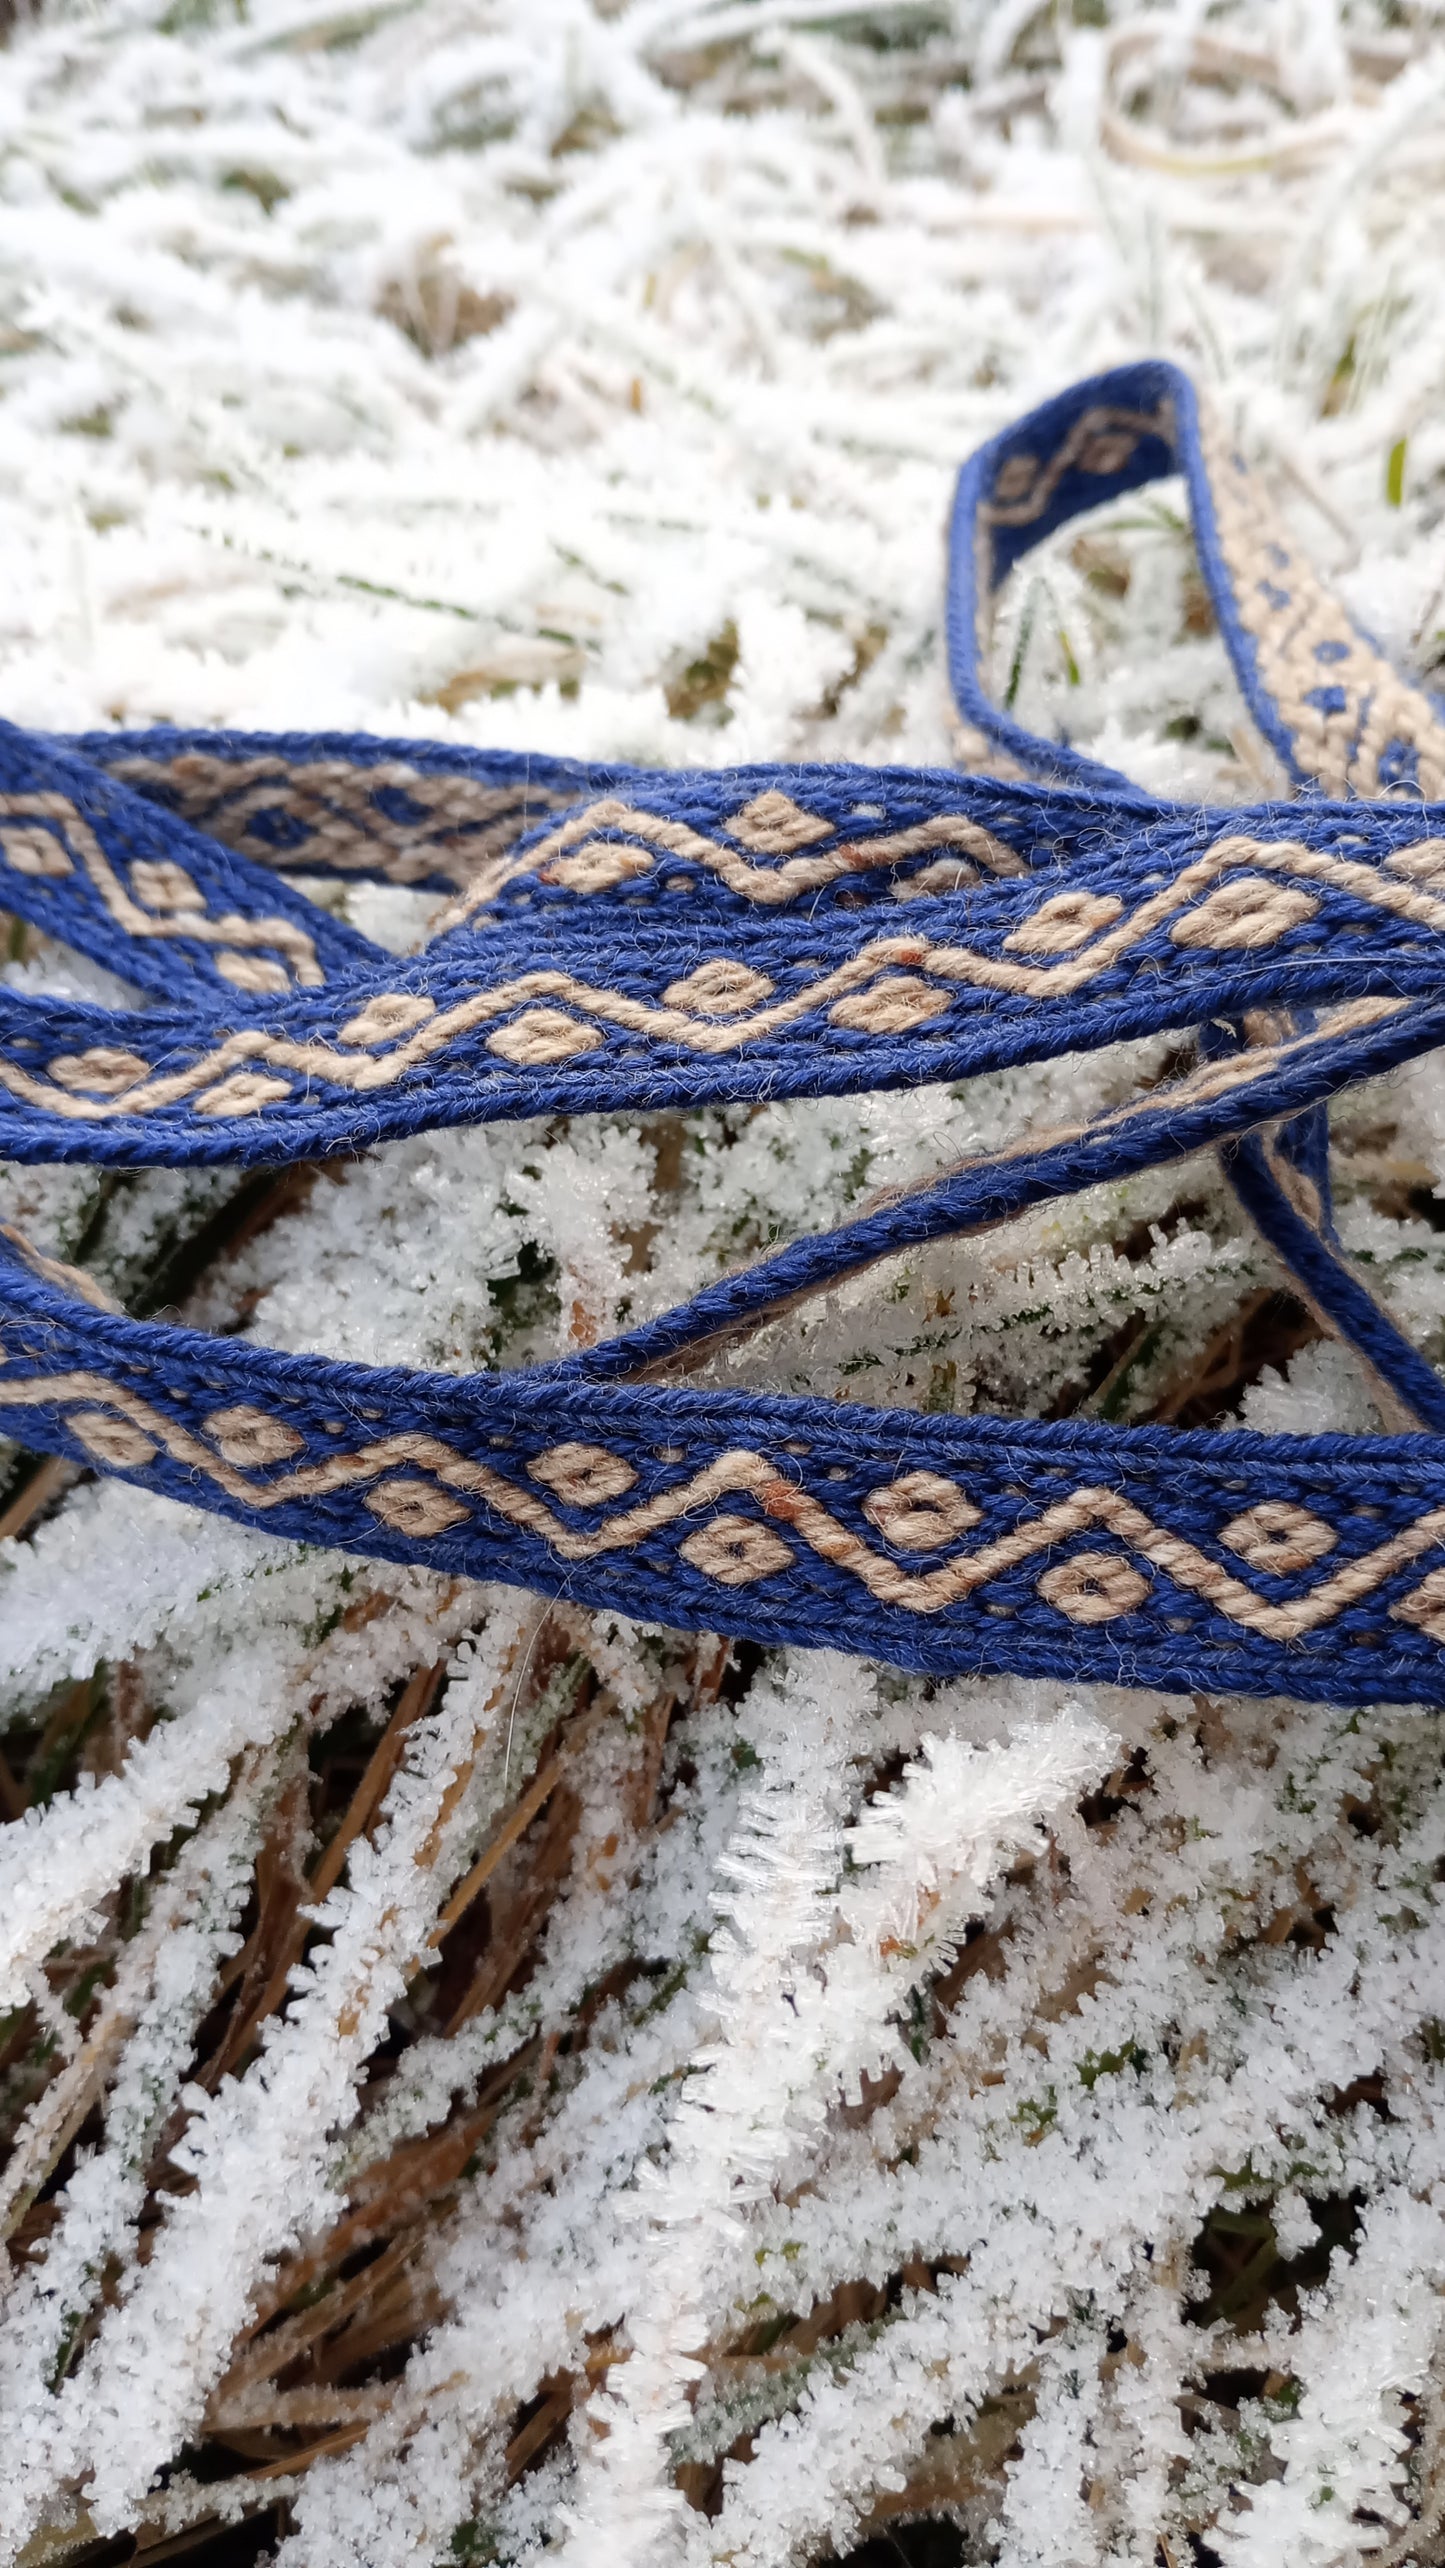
pixel 100 868
pixel 1268 1563
pixel 393 819
pixel 620 939
pixel 479 1026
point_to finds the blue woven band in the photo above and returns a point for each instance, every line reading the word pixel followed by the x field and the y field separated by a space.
pixel 621 938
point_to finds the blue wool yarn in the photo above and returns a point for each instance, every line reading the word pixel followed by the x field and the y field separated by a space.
pixel 621 938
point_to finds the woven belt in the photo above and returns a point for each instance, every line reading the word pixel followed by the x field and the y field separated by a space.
pixel 621 938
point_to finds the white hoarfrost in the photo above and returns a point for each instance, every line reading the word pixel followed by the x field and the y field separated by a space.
pixel 805 1986
pixel 483 2081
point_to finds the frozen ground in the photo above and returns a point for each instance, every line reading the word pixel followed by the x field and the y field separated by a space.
pixel 719 2113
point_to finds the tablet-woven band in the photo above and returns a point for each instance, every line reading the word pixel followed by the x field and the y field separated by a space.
pixel 621 938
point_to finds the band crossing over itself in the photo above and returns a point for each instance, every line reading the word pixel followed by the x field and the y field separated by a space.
pixel 618 937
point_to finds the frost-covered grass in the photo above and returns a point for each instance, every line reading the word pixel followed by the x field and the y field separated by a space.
pixel 485 2083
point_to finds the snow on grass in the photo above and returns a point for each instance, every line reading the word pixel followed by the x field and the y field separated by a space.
pixel 486 2083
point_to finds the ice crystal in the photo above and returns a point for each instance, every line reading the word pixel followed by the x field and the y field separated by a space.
pixel 484 2081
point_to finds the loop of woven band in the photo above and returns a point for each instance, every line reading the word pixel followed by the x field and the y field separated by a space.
pixel 1337 714
pixel 619 939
